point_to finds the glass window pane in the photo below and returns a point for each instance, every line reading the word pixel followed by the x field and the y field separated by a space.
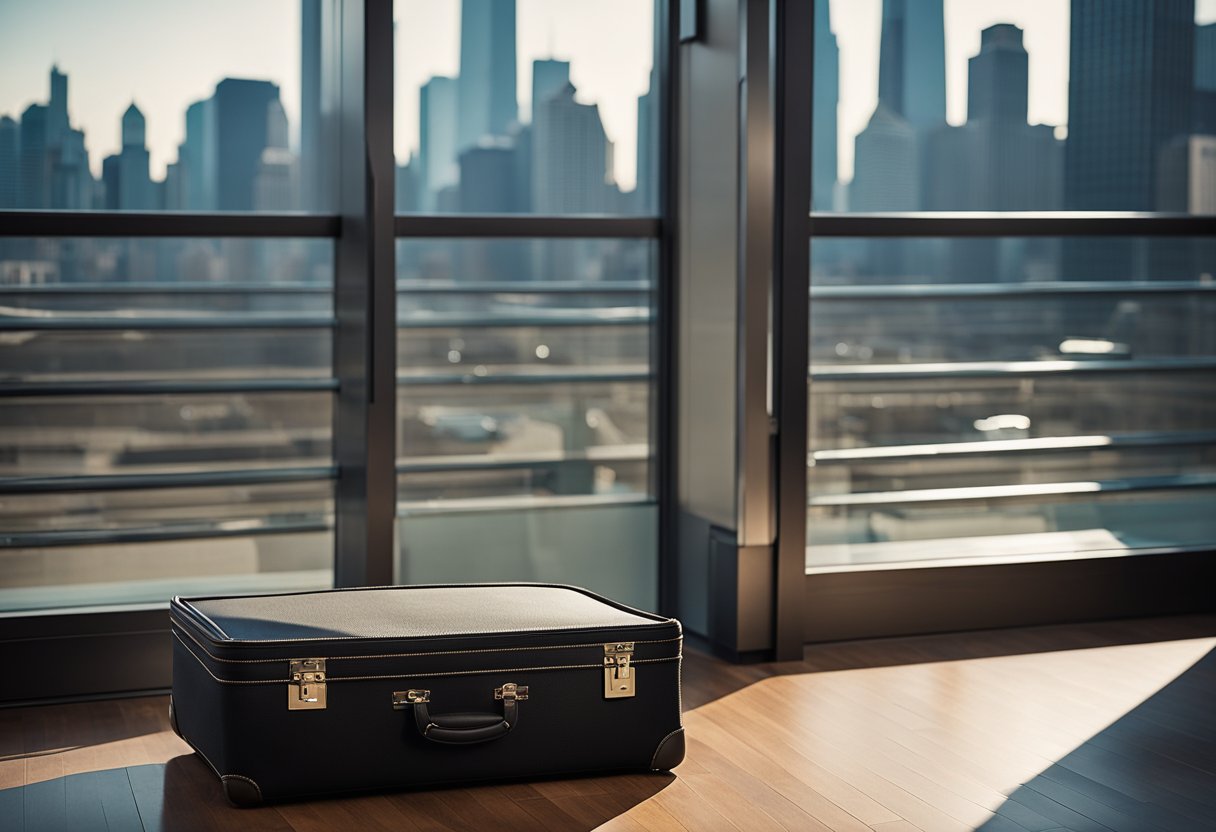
pixel 544 106
pixel 165 418
pixel 525 412
pixel 179 107
pixel 974 399
pixel 1003 105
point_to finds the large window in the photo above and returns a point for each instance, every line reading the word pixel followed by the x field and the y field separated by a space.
pixel 180 341
pixel 981 388
pixel 526 416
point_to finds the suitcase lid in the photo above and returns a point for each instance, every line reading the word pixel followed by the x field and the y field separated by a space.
pixel 406 612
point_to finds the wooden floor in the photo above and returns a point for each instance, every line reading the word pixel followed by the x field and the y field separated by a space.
pixel 1096 727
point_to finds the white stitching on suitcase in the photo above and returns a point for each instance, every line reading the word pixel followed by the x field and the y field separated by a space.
pixel 597 644
pixel 409 675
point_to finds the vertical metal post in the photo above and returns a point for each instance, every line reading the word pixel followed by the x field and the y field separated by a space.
pixel 664 338
pixel 364 294
pixel 793 36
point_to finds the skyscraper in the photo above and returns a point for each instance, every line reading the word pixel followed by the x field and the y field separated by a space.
pixel 1204 107
pixel 134 181
pixel 197 154
pixel 826 98
pixel 912 61
pixel 241 107
pixel 998 77
pixel 57 109
pixel 549 77
pixel 887 164
pixel 9 136
pixel 437 125
pixel 33 189
pixel 312 178
pixel 1130 92
pixel 487 70
pixel 571 156
pixel 1131 76
pixel 275 185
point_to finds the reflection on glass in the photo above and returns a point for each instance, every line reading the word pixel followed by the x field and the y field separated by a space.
pixel 1005 106
pixel 545 106
pixel 968 399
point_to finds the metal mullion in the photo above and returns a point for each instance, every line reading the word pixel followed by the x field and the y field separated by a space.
pixel 527 287
pixel 165 224
pixel 988 291
pixel 1006 369
pixel 104 537
pixel 1011 224
pixel 365 301
pixel 526 226
pixel 793 24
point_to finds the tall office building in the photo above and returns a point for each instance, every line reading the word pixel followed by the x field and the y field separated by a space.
pixel 275 185
pixel 241 107
pixel 998 77
pixel 826 98
pixel 9 141
pixel 1131 77
pixel 487 70
pixel 549 77
pixel 1204 107
pixel 312 177
pixel 886 163
pixel 487 177
pixel 197 155
pixel 437 126
pixel 571 156
pixel 33 190
pixel 912 61
pixel 1130 93
pixel 134 181
pixel 57 109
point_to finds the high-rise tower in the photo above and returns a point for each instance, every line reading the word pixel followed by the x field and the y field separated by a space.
pixel 487 70
pixel 912 61
pixel 826 101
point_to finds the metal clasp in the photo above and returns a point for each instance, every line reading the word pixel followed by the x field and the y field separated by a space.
pixel 620 679
pixel 402 699
pixel 306 689
pixel 511 691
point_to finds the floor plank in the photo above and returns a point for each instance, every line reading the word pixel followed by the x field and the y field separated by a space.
pixel 1103 727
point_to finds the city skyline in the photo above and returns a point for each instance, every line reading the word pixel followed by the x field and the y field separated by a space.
pixel 440 22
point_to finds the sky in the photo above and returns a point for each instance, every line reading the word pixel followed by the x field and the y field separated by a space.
pixel 166 54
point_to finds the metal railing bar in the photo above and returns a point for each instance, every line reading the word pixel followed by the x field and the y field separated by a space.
pixel 525 226
pixel 142 224
pixel 1018 490
pixel 471 379
pixel 1011 224
pixel 100 537
pixel 567 319
pixel 424 287
pixel 520 502
pixel 528 287
pixel 981 291
pixel 186 479
pixel 503 462
pixel 169 288
pixel 137 322
pixel 35 389
pixel 1046 444
pixel 1000 369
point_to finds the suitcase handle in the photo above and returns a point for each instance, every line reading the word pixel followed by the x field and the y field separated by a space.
pixel 466 729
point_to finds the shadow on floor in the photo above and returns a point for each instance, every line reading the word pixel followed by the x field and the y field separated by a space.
pixel 1152 770
pixel 183 795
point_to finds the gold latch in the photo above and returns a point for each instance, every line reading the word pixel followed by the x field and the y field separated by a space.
pixel 402 699
pixel 511 691
pixel 306 690
pixel 619 675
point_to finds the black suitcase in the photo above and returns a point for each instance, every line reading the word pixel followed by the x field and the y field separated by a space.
pixel 316 693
